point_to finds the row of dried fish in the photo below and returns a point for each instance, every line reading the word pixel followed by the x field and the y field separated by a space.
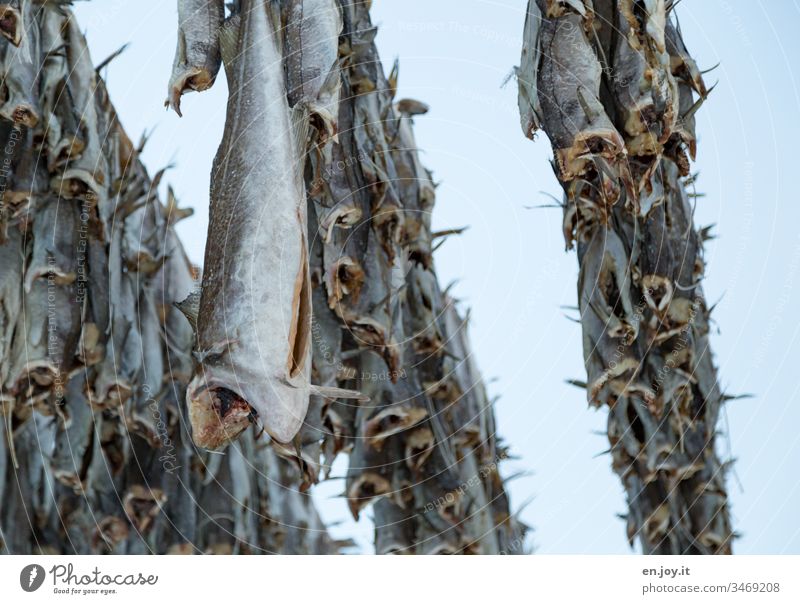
pixel 321 321
pixel 96 454
pixel 615 90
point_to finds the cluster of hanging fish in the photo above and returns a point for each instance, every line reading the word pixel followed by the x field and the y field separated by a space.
pixel 614 88
pixel 321 327
pixel 95 448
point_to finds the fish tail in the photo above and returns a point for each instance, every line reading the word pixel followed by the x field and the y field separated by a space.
pixel 333 392
pixel 229 40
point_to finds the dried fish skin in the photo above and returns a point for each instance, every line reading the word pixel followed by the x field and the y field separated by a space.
pixel 173 283
pixel 48 305
pixel 370 470
pixel 417 192
pixel 604 288
pixel 253 338
pixel 197 54
pixel 59 126
pixel 143 409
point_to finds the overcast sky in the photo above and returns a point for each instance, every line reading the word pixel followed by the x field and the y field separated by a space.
pixel 511 267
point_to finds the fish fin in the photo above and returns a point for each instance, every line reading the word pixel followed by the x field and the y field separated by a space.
pixel 229 39
pixel 297 441
pixel 190 307
pixel 318 114
pixel 300 125
pixel 273 8
pixel 324 121
pixel 332 80
pixel 333 392
pixel 217 349
pixel 300 330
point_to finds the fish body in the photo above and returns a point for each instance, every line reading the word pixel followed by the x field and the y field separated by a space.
pixel 312 51
pixel 253 326
pixel 20 64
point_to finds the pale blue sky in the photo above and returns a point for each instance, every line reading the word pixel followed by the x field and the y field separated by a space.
pixel 511 265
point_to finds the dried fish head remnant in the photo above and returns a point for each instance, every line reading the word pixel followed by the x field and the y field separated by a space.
pixel 197 55
pixel 419 446
pixel 218 416
pixel 366 488
pixel 392 420
pixel 110 532
pixel 11 22
pixel 345 278
pixel 254 324
pixel 142 505
pixel 411 107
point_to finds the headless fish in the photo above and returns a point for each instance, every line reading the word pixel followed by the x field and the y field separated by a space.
pixel 197 55
pixel 254 316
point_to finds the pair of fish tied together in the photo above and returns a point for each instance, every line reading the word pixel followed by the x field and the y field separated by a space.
pixel 320 322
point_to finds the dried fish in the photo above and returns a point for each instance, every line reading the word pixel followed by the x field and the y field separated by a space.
pixel 394 529
pixel 74 436
pixel 254 332
pixel 197 55
pixel 571 111
pixel 12 256
pixel 311 52
pixel 85 173
pixel 254 348
pixel 20 65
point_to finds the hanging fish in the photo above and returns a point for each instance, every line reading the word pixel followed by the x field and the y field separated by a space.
pixel 311 50
pixel 20 64
pixel 197 55
pixel 254 320
pixel 85 173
